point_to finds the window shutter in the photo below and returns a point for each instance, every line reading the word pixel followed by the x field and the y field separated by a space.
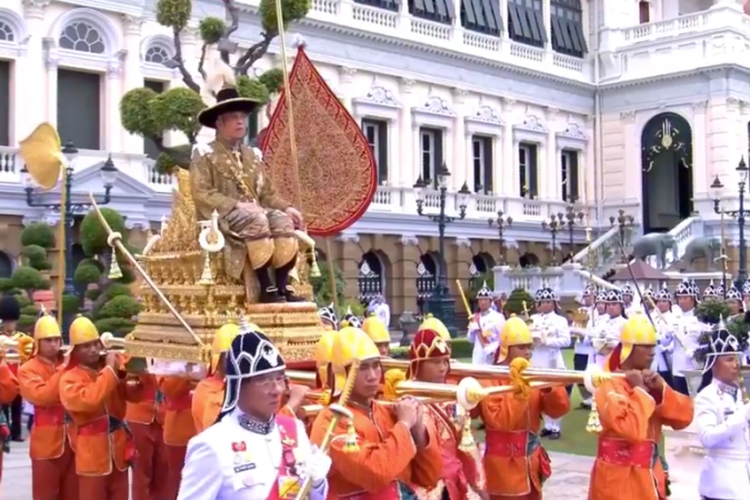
pixel 533 188
pixel 382 151
pixel 438 163
pixel 573 177
pixel 488 165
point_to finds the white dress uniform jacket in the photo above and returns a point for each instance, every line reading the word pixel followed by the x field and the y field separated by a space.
pixel 664 324
pixel 489 323
pixel 555 334
pixel 606 333
pixel 215 471
pixel 583 338
pixel 383 313
pixel 722 421
pixel 686 332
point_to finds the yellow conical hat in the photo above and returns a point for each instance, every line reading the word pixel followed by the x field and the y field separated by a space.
pixel 82 331
pixel 223 341
pixel 375 328
pixel 638 330
pixel 432 323
pixel 515 332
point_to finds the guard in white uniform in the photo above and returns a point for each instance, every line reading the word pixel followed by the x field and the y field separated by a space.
pixel 664 322
pixel 379 308
pixel 251 453
pixel 734 301
pixel 628 306
pixel 551 333
pixel 722 413
pixel 686 332
pixel 710 292
pixel 583 348
pixel 484 328
pixel 606 334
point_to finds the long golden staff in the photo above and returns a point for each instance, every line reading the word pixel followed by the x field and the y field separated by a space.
pixel 114 240
pixel 293 143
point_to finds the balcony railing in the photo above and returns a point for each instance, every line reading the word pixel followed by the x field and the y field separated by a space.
pixel 450 38
pixel 134 166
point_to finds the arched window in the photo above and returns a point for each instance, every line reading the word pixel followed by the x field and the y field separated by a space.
pixel 157 55
pixel 644 12
pixel 6 32
pixel 82 37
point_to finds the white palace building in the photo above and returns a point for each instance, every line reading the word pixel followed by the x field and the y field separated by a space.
pixel 619 105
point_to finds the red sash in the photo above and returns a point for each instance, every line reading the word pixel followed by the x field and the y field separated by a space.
pixel 620 452
pixel 287 481
pixel 102 426
pixel 49 416
pixel 390 492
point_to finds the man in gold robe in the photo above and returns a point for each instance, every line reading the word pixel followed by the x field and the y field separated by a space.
pixel 230 178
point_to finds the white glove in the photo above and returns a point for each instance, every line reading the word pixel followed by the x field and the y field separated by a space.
pixel 746 411
pixel 317 466
pixel 473 326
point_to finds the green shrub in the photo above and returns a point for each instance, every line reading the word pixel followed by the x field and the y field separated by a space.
pixel 39 234
pixel 519 303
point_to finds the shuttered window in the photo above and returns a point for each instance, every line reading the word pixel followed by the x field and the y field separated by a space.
pixel 566 17
pixel 526 22
pixel 440 11
pixel 376 132
pixel 392 5
pixel 482 158
pixel 482 16
pixel 569 166
pixel 431 149
pixel 79 108
pixel 527 170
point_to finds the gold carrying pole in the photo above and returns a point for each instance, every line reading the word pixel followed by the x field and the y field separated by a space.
pixel 469 312
pixel 115 241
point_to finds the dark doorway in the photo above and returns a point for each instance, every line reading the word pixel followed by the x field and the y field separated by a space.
pixel 6 265
pixel 370 279
pixel 666 172
pixel 426 280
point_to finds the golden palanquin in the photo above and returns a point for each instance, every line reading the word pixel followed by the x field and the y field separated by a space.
pixel 178 265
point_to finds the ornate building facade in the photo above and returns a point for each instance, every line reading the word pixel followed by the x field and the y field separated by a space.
pixel 549 111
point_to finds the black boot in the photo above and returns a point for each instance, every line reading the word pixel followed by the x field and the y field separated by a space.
pixel 269 294
pixel 282 281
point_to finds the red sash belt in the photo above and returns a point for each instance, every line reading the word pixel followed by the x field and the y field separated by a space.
pixel 95 427
pixel 49 416
pixel 620 452
pixel 509 444
pixel 179 404
pixel 287 480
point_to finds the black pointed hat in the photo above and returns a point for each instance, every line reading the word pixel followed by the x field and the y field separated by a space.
pixel 10 309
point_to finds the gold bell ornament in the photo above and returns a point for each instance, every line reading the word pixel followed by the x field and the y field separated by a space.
pixel 593 425
pixel 351 445
pixel 115 273
pixel 207 278
pixel 314 269
pixel 467 443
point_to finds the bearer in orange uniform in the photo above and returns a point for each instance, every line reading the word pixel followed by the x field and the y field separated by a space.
pixel 146 420
pixel 209 393
pixel 514 460
pixel 632 412
pixel 429 357
pixel 179 427
pixel 8 392
pixel 94 395
pixel 379 334
pixel 393 446
pixel 53 470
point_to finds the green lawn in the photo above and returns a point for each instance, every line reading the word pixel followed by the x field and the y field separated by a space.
pixel 574 438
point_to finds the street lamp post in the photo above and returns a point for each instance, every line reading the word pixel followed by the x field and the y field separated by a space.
pixel 623 221
pixel 554 225
pixel 67 212
pixel 739 214
pixel 441 304
pixel 573 218
pixel 502 223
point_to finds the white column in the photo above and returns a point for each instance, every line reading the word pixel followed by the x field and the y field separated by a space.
pixel 497 163
pixel 632 176
pixel 550 171
pixel 469 157
pixel 345 89
pixel 701 175
pixel 133 77
pixel 416 157
pixel 587 165
pixel 409 140
pixel 460 168
pixel 112 83
pixel 51 60
pixel 29 106
pixel 547 23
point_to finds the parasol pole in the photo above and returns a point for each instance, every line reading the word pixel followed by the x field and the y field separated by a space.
pixel 293 140
pixel 61 247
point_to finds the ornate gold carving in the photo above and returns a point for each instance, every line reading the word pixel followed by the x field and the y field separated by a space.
pixel 176 264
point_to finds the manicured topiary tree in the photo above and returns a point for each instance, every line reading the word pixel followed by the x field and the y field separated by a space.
pixel 151 115
pixel 113 308
pixel 519 298
pixel 322 285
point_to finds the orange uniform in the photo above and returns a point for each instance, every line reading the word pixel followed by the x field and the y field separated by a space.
pixel 627 463
pixel 8 392
pixel 146 419
pixel 179 427
pixel 95 401
pixel 515 462
pixel 52 458
pixel 208 399
pixel 387 455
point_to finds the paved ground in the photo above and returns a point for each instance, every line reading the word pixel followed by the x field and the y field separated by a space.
pixel 569 480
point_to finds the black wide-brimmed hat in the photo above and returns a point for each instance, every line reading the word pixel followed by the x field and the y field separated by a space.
pixel 10 309
pixel 228 100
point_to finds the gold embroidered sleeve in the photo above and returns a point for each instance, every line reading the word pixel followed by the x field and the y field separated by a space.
pixel 205 193
pixel 267 196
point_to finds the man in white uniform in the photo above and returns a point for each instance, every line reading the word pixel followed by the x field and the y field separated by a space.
pixel 664 322
pixel 328 317
pixel 484 328
pixel 628 306
pixel 722 417
pixel 252 453
pixel 686 332
pixel 378 307
pixel 551 333
pixel 606 333
pixel 710 292
pixel 734 301
pixel 583 348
